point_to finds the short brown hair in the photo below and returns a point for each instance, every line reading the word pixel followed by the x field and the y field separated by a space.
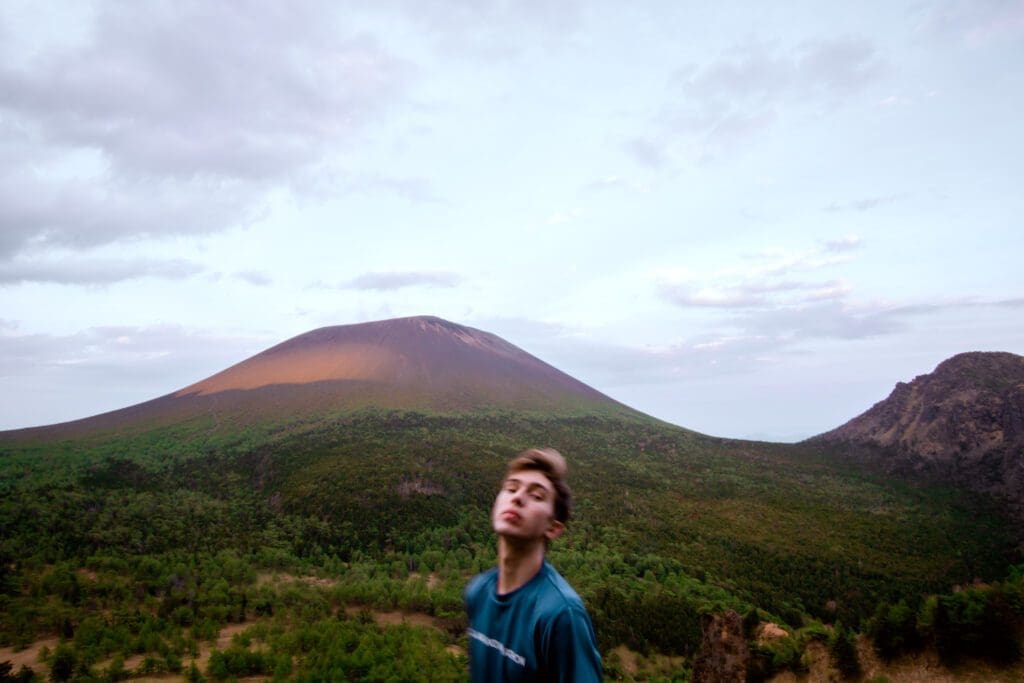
pixel 552 465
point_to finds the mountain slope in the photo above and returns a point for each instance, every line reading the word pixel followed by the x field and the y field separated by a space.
pixel 422 361
pixel 419 363
pixel 964 423
pixel 327 454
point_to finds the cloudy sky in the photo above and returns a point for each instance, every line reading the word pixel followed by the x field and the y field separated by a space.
pixel 750 219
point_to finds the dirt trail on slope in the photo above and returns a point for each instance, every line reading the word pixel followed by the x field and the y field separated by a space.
pixel 393 618
pixel 30 656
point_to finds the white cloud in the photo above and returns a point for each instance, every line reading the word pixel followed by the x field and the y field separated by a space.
pixel 752 293
pixel 703 356
pixel 829 319
pixel 895 101
pixel 95 271
pixel 615 182
pixel 747 341
pixel 123 350
pixel 837 66
pixel 845 243
pixel 976 22
pixel 746 90
pixel 184 89
pixel 710 297
pixel 386 281
pixel 765 280
pixel 489 30
pixel 560 217
pixel 255 277
pixel 813 259
pixel 192 111
pixel 768 297
pixel 39 214
pixel 867 203
pixel 649 150
pixel 418 190
pixel 829 292
pixel 105 368
pixel 760 72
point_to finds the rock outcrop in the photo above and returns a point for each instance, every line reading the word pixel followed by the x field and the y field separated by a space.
pixel 723 656
pixel 963 423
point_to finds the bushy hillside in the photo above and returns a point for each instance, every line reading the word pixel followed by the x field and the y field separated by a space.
pixel 389 508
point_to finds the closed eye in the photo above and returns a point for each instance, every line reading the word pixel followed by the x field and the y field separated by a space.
pixel 535 491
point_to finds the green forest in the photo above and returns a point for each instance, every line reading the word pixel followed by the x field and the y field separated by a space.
pixel 338 549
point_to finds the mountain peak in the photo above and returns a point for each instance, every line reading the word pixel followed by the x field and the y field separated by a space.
pixel 969 403
pixel 981 369
pixel 964 421
pixel 417 328
pixel 425 355
pixel 416 363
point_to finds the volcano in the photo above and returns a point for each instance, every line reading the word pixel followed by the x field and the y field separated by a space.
pixel 419 363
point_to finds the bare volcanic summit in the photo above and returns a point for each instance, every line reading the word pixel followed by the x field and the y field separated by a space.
pixel 963 423
pixel 419 363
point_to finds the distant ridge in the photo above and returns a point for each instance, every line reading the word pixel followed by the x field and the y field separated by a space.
pixel 963 423
pixel 416 363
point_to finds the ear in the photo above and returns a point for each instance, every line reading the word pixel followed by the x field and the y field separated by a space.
pixel 555 529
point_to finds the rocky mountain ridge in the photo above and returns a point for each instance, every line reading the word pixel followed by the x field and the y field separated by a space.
pixel 962 423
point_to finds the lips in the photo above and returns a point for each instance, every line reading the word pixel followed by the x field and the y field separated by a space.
pixel 511 515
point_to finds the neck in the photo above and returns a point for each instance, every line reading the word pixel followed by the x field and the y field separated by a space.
pixel 518 562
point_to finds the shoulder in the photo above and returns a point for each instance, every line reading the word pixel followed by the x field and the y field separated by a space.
pixel 557 596
pixel 478 585
pixel 565 635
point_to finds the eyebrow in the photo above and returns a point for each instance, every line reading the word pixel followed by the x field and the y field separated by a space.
pixel 531 486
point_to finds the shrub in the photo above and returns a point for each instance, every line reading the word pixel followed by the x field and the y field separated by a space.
pixel 842 647
pixel 893 629
pixel 978 622
pixel 63 663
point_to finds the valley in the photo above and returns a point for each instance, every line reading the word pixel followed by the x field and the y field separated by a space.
pixel 134 541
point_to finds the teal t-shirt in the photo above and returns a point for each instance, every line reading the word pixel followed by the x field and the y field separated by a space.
pixel 538 632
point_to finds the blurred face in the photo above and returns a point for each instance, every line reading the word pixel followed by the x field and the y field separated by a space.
pixel 525 508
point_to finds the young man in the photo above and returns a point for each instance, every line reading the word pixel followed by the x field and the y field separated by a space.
pixel 526 623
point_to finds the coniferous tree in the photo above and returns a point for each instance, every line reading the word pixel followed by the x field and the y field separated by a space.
pixel 842 646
